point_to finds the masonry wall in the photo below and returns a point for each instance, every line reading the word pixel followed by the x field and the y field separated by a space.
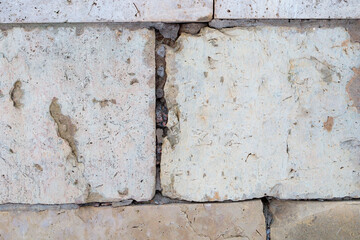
pixel 179 120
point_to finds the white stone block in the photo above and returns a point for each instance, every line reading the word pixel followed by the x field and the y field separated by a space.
pixel 262 111
pixel 243 220
pixel 288 9
pixel 76 115
pixel 58 11
pixel 299 220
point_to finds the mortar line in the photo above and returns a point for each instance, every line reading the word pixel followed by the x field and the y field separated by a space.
pixel 175 201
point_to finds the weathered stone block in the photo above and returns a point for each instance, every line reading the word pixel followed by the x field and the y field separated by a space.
pixel 180 221
pixel 262 111
pixel 293 9
pixel 315 220
pixel 77 114
pixel 59 11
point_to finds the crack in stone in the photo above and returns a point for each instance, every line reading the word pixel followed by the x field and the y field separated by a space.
pixel 268 216
pixel 227 235
pixel 138 14
pixel 287 144
pixel 7 58
pixel 191 226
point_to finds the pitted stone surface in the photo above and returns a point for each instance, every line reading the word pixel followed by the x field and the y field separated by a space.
pixel 77 115
pixel 315 220
pixel 59 11
pixel 262 111
pixel 181 221
pixel 293 9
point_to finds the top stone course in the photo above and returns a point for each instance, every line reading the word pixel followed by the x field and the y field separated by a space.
pixel 290 9
pixel 79 11
pixel 60 11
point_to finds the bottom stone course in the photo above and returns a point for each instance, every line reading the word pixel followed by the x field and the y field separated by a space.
pixel 315 220
pixel 241 220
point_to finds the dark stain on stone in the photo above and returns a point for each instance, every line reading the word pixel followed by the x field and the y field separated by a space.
pixel 79 30
pixel 353 88
pixel 326 75
pixel 16 94
pixel 124 192
pixel 211 62
pixel 133 81
pixel 38 167
pixel 353 28
pixel 328 125
pixel 213 42
pixel 350 144
pixel 105 102
pixel 65 128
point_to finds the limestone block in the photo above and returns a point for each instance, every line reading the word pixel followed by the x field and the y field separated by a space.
pixel 293 9
pixel 262 111
pixel 161 222
pixel 315 220
pixel 76 114
pixel 58 11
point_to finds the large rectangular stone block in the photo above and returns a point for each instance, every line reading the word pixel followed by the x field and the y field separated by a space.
pixel 179 221
pixel 293 9
pixel 76 114
pixel 315 220
pixel 262 111
pixel 59 11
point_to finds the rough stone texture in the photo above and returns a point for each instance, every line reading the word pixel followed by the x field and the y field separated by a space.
pixel 262 111
pixel 181 221
pixel 77 114
pixel 293 9
pixel 315 220
pixel 57 11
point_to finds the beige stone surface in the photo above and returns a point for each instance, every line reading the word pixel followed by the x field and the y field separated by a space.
pixel 236 221
pixel 293 9
pixel 262 111
pixel 76 114
pixel 59 11
pixel 315 220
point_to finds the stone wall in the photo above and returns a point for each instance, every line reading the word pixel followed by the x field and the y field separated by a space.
pixel 179 120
